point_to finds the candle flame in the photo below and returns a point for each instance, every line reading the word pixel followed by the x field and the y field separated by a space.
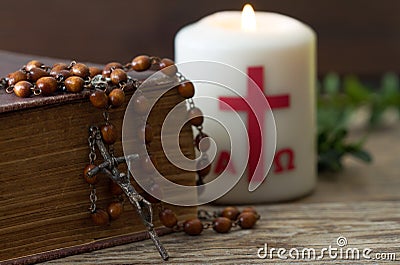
pixel 248 18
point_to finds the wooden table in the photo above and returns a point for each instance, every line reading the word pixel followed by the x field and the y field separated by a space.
pixel 362 204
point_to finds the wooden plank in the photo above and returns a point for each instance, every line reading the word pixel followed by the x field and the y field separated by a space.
pixel 364 224
pixel 361 203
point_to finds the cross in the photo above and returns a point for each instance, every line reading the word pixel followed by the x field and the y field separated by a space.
pixel 255 128
pixel 110 167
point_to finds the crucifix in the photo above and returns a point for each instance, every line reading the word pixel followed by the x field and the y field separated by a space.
pixel 110 167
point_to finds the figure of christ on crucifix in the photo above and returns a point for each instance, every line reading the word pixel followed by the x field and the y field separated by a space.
pixel 110 167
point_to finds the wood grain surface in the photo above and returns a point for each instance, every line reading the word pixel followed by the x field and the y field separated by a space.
pixel 362 203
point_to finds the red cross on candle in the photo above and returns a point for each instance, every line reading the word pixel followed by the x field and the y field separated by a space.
pixel 255 129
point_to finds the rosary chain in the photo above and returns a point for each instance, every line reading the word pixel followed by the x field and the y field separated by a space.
pixel 111 150
pixel 92 153
pixel 106 116
pixel 191 103
pixel 208 220
pixel 3 82
pixel 204 157
pixel 92 158
pixel 92 198
pixel 181 77
pixel 206 215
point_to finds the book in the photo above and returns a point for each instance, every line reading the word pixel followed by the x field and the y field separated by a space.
pixel 44 199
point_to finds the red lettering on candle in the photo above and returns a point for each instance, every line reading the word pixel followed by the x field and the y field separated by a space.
pixel 255 129
pixel 224 163
pixel 279 168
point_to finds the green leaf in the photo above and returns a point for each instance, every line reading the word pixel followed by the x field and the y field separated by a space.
pixel 357 92
pixel 376 114
pixel 390 93
pixel 330 160
pixel 339 135
pixel 390 83
pixel 331 84
pixel 362 155
pixel 335 108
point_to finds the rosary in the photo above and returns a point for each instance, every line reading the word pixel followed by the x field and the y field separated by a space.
pixel 107 88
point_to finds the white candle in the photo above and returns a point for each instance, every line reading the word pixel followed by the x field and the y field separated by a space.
pixel 278 53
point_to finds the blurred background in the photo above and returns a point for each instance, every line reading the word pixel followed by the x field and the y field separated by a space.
pixel 356 36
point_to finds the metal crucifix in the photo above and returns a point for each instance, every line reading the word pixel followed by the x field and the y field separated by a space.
pixel 110 167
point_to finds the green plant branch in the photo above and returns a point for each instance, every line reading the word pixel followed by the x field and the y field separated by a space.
pixel 338 99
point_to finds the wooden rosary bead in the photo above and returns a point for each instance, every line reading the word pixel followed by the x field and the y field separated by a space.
pixel 193 227
pixel 36 73
pixel 168 67
pixel 203 168
pixel 33 64
pixel 15 77
pixel 81 70
pixel 186 90
pixel 168 218
pixel 114 65
pixel 230 212
pixel 196 116
pixel 202 142
pixel 118 76
pixel 100 217
pixel 247 220
pixel 92 180
pixel 141 63
pixel 222 224
pixel 109 133
pixel 93 71
pixel 109 67
pixel 55 70
pixel 99 99
pixel 249 209
pixel 141 104
pixel 74 84
pixel 47 85
pixel 116 97
pixel 115 210
pixel 115 189
pixel 23 89
pixel 62 74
